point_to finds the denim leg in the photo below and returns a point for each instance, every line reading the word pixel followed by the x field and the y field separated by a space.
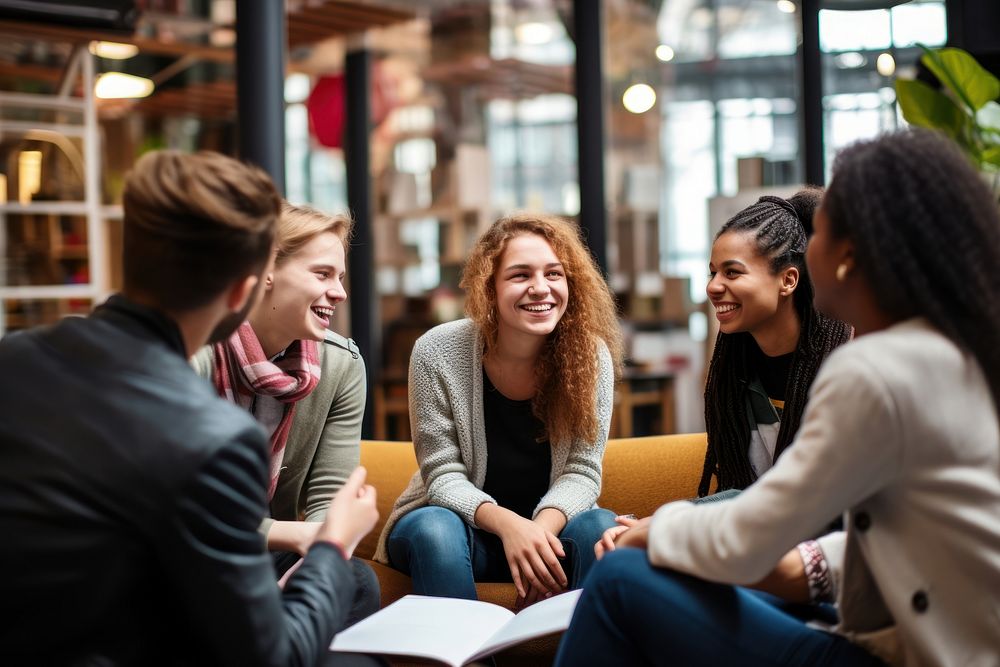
pixel 631 613
pixel 433 546
pixel 489 560
pixel 578 538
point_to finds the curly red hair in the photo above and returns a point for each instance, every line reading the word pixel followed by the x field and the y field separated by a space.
pixel 568 368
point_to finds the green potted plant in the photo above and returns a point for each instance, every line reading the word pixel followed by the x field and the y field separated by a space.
pixel 967 109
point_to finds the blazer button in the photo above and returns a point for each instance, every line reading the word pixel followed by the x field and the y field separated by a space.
pixel 919 602
pixel 862 521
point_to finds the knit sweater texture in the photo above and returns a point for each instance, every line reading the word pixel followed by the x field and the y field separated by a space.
pixel 449 433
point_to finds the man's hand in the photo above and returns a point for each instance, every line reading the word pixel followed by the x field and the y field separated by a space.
pixel 352 513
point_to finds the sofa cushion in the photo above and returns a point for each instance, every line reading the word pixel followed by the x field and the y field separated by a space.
pixel 640 474
pixel 390 466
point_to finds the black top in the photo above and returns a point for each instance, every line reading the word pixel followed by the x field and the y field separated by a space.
pixel 771 371
pixel 130 501
pixel 518 465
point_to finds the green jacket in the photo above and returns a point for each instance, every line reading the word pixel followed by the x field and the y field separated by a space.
pixel 323 445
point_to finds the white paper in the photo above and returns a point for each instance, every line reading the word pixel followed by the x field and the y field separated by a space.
pixel 444 629
pixel 453 631
pixel 538 620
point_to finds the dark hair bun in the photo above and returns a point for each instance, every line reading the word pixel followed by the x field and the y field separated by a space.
pixel 805 202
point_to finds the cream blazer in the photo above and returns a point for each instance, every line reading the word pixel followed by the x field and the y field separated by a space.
pixel 901 434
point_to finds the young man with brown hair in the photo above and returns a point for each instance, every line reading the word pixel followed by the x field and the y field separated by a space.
pixel 130 494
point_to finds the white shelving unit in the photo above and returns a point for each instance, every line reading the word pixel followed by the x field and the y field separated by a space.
pixel 98 286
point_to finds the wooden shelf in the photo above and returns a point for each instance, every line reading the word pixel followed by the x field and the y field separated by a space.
pixel 508 78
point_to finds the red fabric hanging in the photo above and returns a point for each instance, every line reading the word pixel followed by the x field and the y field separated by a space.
pixel 326 105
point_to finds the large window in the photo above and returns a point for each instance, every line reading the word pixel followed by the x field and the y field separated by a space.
pixel 727 88
pixel 729 94
pixel 863 51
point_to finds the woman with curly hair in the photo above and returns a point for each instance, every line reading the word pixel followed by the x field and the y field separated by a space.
pixel 526 384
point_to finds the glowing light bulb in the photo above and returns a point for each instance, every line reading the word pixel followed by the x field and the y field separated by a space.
pixel 118 85
pixel 885 64
pixel 664 53
pixel 113 50
pixel 639 98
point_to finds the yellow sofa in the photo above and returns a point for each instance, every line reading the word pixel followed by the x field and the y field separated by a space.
pixel 640 474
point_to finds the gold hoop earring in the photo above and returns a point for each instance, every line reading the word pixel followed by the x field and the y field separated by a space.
pixel 842 272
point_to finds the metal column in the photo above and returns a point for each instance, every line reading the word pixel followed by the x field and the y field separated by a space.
pixel 811 79
pixel 361 267
pixel 260 85
pixel 589 77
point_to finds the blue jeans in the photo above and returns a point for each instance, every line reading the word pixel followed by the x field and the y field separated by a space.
pixel 446 557
pixel 632 613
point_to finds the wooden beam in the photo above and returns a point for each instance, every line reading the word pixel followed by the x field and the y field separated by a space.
pixel 147 45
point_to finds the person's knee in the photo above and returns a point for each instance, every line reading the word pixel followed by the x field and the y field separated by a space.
pixel 621 568
pixel 368 596
pixel 365 577
pixel 434 532
pixel 587 527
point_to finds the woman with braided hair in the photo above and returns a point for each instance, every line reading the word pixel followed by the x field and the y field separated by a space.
pixel 771 339
pixel 901 435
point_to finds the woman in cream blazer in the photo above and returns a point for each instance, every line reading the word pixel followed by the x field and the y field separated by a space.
pixel 901 434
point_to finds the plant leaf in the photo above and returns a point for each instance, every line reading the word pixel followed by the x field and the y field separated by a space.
pixel 960 72
pixel 922 105
pixel 991 156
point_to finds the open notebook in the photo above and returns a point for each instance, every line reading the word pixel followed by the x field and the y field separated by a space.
pixel 452 631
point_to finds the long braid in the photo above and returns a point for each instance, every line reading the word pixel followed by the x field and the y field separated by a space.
pixel 779 231
pixel 725 418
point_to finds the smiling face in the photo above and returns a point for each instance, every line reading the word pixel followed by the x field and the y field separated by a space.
pixel 531 287
pixel 304 291
pixel 745 293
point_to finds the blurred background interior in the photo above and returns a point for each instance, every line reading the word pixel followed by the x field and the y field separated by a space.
pixel 472 112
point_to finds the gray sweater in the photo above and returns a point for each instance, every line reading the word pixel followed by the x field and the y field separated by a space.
pixel 449 434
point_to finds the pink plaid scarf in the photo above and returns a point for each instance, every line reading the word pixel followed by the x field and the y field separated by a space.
pixel 242 372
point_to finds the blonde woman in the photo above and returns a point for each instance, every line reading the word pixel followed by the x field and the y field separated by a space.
pixel 510 411
pixel 304 384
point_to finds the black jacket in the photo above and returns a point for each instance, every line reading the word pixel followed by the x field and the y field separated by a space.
pixel 130 497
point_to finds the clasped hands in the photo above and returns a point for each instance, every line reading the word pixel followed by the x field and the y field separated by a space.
pixel 532 549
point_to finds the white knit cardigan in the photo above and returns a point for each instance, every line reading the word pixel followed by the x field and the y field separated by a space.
pixel 449 434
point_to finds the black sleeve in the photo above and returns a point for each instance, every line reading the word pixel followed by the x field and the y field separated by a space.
pixel 224 577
